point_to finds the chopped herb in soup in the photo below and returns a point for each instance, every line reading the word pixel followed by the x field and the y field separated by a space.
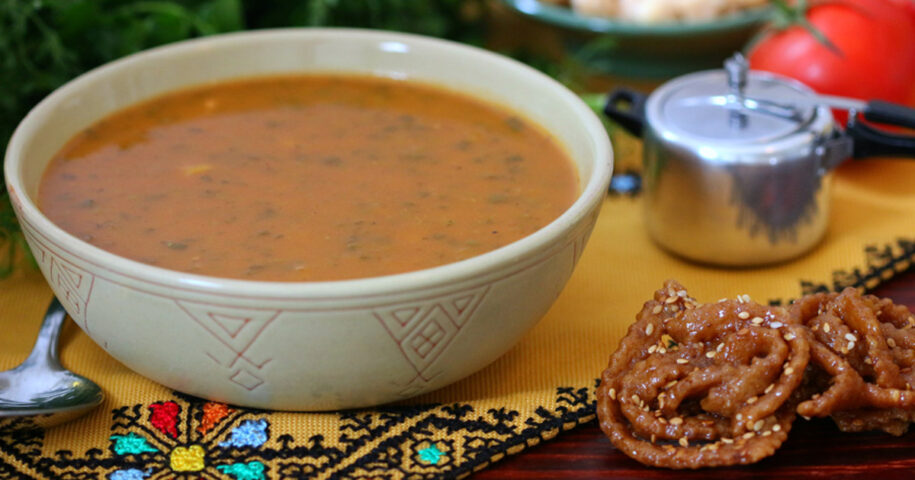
pixel 307 178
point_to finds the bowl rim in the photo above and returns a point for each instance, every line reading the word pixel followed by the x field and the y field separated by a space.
pixel 565 17
pixel 450 273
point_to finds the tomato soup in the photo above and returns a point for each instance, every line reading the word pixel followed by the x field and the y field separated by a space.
pixel 308 178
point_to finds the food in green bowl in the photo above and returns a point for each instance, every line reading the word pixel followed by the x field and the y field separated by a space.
pixel 648 49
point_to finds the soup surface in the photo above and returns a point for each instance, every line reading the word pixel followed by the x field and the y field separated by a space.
pixel 307 178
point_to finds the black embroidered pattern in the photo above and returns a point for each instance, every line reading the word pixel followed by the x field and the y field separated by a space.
pixel 417 442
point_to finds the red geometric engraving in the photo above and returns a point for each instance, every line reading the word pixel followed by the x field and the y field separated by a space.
pixel 424 330
pixel 236 329
pixel 404 316
pixel 232 325
pixel 72 284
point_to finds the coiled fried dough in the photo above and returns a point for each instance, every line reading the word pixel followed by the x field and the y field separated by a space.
pixel 703 385
pixel 862 358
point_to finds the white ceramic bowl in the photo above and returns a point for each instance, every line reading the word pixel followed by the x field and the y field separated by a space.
pixel 309 345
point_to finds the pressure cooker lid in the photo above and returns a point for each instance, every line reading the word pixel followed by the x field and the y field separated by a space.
pixel 731 107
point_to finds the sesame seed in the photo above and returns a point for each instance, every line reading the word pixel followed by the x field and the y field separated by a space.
pixel 826 327
pixel 652 348
pixel 681 293
pixel 635 398
pixel 721 300
pixel 654 438
pixel 612 393
pixel 789 336
pixel 684 442
pixel 662 420
pixel 710 353
pixel 766 433
pixel 752 400
pixel 676 421
pixel 662 350
pixel 657 309
pixel 743 331
pixel 769 388
pixel 682 361
pixel 757 321
pixel 674 308
pixel 789 370
pixel 776 324
pixel 868 361
pixel 896 394
pixel 851 346
pixel 776 428
pixel 649 329
pixel 744 315
pixel 758 425
pixel 739 417
pixel 748 435
pixel 851 337
pixel 670 299
pixel 727 440
pixel 671 383
pixel 720 347
pixel 891 342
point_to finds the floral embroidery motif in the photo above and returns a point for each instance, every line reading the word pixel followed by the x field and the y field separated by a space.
pixel 174 444
pixel 186 438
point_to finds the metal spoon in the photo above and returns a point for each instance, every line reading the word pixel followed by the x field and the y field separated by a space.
pixel 40 393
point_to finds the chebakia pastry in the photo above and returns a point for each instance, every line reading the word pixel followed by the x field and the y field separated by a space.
pixel 703 385
pixel 862 359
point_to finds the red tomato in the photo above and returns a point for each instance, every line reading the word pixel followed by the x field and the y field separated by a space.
pixel 876 39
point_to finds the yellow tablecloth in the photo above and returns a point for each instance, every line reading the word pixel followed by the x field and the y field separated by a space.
pixel 541 387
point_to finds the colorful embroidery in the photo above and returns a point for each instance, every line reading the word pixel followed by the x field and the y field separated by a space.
pixel 129 474
pixel 213 413
pixel 164 417
pixel 244 471
pixel 431 454
pixel 187 438
pixel 130 444
pixel 251 433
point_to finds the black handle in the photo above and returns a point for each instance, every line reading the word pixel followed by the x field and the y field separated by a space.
pixel 873 142
pixel 627 108
pixel 888 113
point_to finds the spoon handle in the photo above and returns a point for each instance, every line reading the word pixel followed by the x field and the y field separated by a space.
pixel 45 350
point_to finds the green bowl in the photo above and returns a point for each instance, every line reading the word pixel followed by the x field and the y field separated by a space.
pixel 640 50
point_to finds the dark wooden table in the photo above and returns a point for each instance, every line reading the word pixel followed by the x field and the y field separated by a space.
pixel 815 449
